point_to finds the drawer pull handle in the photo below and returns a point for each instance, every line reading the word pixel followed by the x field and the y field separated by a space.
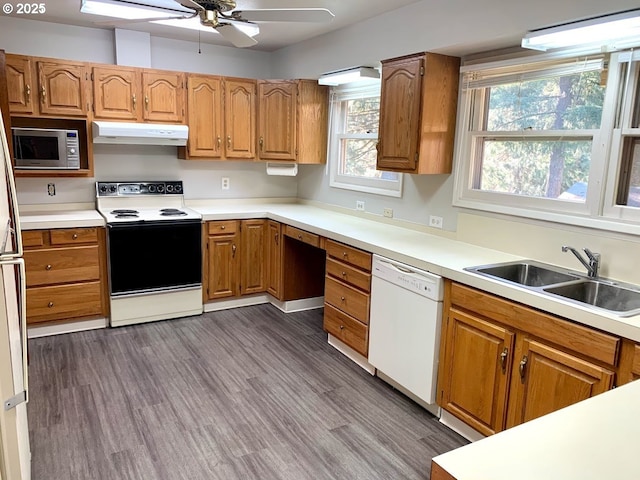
pixel 341 327
pixel 342 298
pixel 299 237
pixel 74 236
pixel 344 254
pixel 222 227
pixel 48 267
pixel 344 274
pixel 50 305
pixel 523 364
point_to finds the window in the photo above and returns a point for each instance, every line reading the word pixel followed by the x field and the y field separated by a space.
pixel 352 145
pixel 556 139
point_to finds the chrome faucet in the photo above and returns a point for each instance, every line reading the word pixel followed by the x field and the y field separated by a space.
pixel 592 265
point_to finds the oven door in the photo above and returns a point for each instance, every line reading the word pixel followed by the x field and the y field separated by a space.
pixel 154 256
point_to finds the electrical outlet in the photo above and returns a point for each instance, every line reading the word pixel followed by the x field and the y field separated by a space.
pixel 388 212
pixel 225 183
pixel 51 189
pixel 359 205
pixel 435 222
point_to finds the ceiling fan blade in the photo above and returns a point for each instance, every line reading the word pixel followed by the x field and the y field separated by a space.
pixel 315 15
pixel 123 21
pixel 189 4
pixel 235 35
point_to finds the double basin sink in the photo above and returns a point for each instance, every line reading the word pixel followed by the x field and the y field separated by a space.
pixel 598 293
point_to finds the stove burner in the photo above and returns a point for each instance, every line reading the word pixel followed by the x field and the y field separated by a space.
pixel 126 215
pixel 125 212
pixel 171 212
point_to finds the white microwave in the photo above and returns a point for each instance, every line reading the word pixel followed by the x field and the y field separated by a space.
pixel 45 148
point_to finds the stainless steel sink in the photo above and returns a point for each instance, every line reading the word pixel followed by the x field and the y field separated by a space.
pixel 601 294
pixel 528 273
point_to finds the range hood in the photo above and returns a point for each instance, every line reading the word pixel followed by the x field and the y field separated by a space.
pixel 139 133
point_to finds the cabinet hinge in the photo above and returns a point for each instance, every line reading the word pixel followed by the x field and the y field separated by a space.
pixel 422 70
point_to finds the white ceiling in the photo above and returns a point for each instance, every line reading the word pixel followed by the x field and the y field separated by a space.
pixel 273 36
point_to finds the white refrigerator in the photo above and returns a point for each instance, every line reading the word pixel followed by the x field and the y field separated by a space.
pixel 15 453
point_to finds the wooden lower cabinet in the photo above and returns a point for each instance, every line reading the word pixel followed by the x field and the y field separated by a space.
pixel 235 263
pixel 502 363
pixel 274 258
pixel 65 274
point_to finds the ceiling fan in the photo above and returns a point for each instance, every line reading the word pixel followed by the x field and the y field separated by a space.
pixel 236 26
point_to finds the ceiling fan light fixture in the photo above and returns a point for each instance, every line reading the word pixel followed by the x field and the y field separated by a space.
pixel 350 75
pixel 129 10
pixel 619 30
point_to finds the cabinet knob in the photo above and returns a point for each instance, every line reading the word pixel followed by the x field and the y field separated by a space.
pixel 342 298
pixel 146 102
pixel 74 236
pixel 299 237
pixel 48 267
pixel 43 92
pixel 344 254
pixel 341 327
pixel 229 141
pixel 261 142
pixel 134 100
pixel 222 227
pixel 27 92
pixel 50 305
pixel 344 274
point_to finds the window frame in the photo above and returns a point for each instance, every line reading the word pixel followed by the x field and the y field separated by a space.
pixel 599 209
pixel 339 97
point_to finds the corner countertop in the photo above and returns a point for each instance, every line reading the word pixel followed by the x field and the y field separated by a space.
pixel 590 440
pixel 437 253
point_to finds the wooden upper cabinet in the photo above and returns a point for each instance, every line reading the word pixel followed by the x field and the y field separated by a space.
pixel 240 118
pixel 277 120
pixel 62 88
pixel 116 93
pixel 20 84
pixel 550 379
pixel 292 120
pixel 418 103
pixel 206 130
pixel 164 96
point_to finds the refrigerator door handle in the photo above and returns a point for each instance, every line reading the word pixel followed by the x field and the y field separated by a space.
pixel 13 200
pixel 22 396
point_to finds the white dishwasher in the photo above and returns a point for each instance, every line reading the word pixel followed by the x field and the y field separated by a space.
pixel 404 327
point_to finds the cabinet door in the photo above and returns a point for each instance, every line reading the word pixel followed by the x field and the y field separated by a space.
pixel 205 117
pixel 116 93
pixel 163 96
pixel 223 266
pixel 274 259
pixel 400 101
pixel 277 120
pixel 635 367
pixel 240 118
pixel 20 85
pixel 63 88
pixel 253 264
pixel 477 368
pixel 549 379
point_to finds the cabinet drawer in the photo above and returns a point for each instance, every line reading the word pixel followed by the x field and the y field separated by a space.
pixel 347 299
pixel 72 236
pixel 62 302
pixel 346 329
pixel 33 238
pixel 62 265
pixel 223 227
pixel 350 255
pixel 306 237
pixel 349 274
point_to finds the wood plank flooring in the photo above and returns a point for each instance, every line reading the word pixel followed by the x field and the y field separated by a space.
pixel 248 393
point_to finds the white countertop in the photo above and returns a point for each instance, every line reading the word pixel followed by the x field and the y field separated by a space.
pixel 438 254
pixel 594 439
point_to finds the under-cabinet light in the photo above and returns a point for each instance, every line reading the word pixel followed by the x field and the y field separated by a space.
pixel 132 10
pixel 619 30
pixel 357 74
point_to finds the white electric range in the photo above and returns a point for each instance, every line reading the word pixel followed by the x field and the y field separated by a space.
pixel 154 249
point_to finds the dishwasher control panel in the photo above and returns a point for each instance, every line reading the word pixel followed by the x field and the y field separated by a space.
pixel 414 279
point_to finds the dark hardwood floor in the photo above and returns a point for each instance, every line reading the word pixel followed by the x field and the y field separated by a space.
pixel 248 393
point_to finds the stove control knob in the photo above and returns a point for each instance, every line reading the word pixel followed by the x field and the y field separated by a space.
pixel 112 189
pixel 152 188
pixel 103 189
pixel 160 188
pixel 177 188
pixel 169 188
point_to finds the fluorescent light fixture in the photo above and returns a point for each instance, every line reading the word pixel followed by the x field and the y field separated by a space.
pixel 619 30
pixel 132 10
pixel 357 74
pixel 194 24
